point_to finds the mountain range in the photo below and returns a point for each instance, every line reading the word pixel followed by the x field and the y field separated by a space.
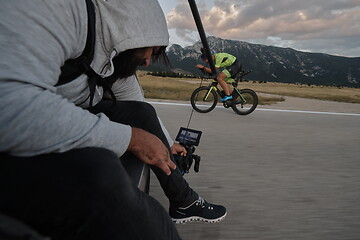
pixel 273 64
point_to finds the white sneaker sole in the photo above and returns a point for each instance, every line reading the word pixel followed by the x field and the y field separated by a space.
pixel 199 219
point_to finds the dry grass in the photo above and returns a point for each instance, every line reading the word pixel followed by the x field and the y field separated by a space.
pixel 181 89
pixel 344 94
pixel 165 88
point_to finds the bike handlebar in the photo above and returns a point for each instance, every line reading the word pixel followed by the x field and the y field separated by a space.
pixel 203 70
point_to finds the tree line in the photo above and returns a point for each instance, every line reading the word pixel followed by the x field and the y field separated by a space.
pixel 171 74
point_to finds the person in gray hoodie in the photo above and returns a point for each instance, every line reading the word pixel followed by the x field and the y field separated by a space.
pixel 59 168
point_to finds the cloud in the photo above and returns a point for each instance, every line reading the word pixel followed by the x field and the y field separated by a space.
pixel 291 22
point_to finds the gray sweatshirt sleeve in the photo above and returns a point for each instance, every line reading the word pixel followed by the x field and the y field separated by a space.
pixel 34 119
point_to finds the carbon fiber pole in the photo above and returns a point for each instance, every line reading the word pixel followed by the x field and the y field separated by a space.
pixel 202 34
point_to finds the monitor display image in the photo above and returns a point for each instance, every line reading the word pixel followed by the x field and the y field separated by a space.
pixel 189 136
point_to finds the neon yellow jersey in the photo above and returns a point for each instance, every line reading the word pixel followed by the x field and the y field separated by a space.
pixel 224 60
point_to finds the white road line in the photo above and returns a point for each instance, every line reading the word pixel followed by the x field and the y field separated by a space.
pixel 265 109
pixel 313 112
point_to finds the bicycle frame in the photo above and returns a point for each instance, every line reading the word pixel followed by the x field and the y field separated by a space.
pixel 205 98
pixel 213 87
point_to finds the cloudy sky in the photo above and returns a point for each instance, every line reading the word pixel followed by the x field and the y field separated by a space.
pixel 326 26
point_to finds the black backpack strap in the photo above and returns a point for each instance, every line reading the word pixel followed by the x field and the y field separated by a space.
pixel 73 68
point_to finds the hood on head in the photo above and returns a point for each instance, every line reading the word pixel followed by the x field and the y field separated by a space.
pixel 128 24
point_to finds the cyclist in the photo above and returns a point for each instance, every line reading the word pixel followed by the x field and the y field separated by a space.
pixel 231 66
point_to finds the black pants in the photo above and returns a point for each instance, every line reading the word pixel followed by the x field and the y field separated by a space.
pixel 86 193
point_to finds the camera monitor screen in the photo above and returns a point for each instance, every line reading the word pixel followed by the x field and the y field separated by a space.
pixel 189 136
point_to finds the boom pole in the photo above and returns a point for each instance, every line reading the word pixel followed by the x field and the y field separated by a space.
pixel 202 34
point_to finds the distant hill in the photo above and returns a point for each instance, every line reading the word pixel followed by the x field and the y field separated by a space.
pixel 274 64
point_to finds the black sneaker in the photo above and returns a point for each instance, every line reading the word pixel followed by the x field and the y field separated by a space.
pixel 199 210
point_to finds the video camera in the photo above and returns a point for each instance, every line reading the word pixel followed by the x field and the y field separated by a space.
pixel 188 138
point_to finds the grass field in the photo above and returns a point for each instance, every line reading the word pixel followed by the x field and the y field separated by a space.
pixel 181 89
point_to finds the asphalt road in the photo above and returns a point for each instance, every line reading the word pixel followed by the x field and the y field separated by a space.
pixel 281 175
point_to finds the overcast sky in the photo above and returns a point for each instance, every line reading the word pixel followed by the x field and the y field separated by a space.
pixel 326 26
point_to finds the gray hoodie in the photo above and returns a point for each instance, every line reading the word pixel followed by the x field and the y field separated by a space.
pixel 36 37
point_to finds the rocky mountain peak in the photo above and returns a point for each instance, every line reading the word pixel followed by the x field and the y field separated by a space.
pixel 274 64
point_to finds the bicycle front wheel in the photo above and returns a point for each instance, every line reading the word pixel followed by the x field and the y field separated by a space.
pixel 203 99
pixel 246 102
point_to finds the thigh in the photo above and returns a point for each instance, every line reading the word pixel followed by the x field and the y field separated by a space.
pixel 134 113
pixel 57 194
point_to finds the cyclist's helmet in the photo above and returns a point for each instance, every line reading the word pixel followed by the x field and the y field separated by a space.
pixel 203 55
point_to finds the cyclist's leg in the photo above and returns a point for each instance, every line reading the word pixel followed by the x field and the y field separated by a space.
pixel 231 72
pixel 221 79
pixel 229 80
pixel 80 194
pixel 234 69
pixel 143 115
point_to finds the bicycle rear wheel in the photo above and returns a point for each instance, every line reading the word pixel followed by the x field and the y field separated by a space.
pixel 246 102
pixel 203 99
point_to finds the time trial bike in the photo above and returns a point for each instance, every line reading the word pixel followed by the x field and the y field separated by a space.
pixel 205 98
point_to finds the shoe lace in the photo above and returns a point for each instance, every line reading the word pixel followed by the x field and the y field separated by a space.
pixel 200 202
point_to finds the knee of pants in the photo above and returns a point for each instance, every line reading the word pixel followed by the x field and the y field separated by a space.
pixel 144 116
pixel 144 110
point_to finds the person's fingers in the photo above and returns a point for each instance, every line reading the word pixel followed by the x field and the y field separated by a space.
pixel 178 149
pixel 166 166
pixel 184 152
pixel 149 149
pixel 171 164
